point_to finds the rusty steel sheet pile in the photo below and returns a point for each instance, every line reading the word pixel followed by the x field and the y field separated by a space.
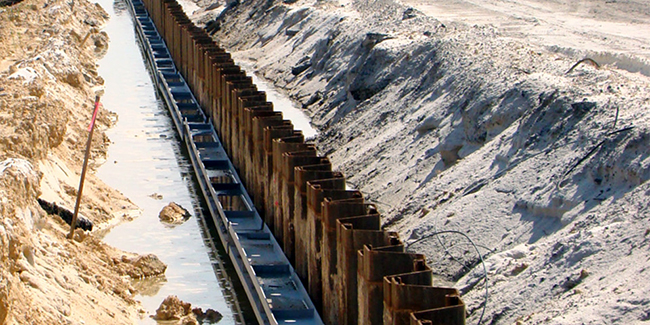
pixel 307 250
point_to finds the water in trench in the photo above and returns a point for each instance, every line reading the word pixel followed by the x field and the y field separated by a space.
pixel 280 101
pixel 146 163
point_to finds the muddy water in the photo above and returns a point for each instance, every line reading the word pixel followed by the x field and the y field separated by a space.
pixel 146 163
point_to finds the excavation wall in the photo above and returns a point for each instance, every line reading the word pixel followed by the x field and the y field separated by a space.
pixel 458 127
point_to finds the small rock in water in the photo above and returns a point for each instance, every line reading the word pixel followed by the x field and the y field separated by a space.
pixel 173 308
pixel 156 196
pixel 141 266
pixel 209 316
pixel 174 214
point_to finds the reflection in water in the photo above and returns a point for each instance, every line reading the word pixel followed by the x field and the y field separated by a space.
pixel 147 158
pixel 149 286
pixel 120 7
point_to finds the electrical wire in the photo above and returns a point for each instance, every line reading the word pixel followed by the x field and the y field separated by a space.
pixel 590 152
pixel 485 275
pixel 468 244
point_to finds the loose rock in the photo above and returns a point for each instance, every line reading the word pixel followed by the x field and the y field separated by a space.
pixel 173 308
pixel 141 266
pixel 174 214
pixel 210 315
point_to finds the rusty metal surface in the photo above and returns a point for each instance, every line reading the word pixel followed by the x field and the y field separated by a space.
pixel 290 160
pixel 304 234
pixel 250 111
pixel 334 209
pixel 354 233
pixel 295 142
pixel 271 133
pixel 454 314
pixel 258 172
pixel 404 293
pixel 316 192
pixel 374 265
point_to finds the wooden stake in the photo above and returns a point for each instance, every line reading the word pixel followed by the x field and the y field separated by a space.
pixel 91 127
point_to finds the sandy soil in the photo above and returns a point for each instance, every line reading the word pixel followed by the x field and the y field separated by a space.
pixel 48 81
pixel 473 124
pixel 612 32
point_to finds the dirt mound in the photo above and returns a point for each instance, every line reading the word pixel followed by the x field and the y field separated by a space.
pixel 464 129
pixel 48 80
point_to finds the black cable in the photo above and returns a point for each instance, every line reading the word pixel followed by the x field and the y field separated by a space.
pixel 485 276
pixel 589 153
pixel 468 244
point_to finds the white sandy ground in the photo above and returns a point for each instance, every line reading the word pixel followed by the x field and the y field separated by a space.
pixel 605 26
pixel 462 115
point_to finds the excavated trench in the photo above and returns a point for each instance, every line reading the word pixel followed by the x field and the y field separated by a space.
pixel 147 163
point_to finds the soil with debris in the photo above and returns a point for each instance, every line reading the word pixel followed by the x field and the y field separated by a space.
pixel 48 82
pixel 542 162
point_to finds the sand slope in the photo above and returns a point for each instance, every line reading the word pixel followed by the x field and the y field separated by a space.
pixel 453 126
pixel 48 80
